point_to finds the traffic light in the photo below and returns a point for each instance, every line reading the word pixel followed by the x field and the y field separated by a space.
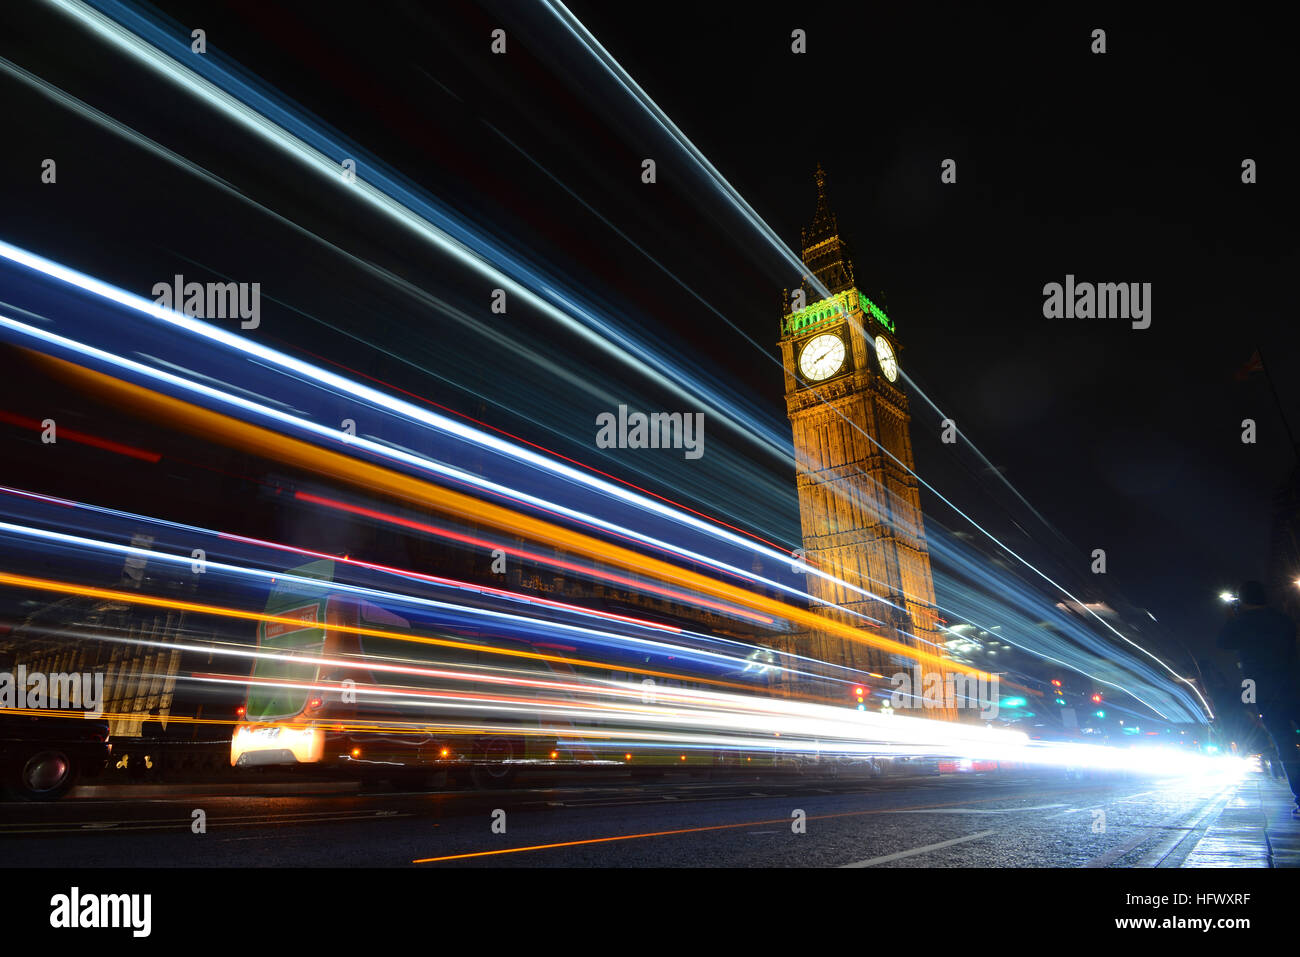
pixel 1056 682
pixel 1096 698
pixel 859 692
pixel 1101 714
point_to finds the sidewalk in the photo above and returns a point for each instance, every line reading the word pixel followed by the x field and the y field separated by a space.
pixel 1255 829
pixel 130 792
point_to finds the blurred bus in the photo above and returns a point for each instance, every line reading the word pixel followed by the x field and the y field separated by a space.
pixel 344 684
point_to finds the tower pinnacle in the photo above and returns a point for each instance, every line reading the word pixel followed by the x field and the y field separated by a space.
pixel 824 253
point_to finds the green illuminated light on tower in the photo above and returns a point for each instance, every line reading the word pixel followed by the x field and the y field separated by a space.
pixel 834 308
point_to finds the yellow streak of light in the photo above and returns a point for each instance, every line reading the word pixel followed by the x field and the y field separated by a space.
pixel 89 591
pixel 335 465
pixel 387 728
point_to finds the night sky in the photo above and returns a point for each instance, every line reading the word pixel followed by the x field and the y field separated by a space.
pixel 1123 167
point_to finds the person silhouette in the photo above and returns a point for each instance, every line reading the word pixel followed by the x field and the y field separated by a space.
pixel 1265 641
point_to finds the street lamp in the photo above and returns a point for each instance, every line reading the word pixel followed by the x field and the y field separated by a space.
pixel 1228 597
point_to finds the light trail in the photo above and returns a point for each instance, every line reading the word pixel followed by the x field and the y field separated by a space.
pixel 551 452
pixel 714 721
pixel 247 116
pixel 117 128
pixel 1187 680
pixel 336 436
pixel 332 169
pixel 322 155
pixel 584 37
pixel 139 598
pixel 91 285
pixel 96 287
pixel 610 639
pixel 548 560
pixel 739 646
pixel 83 438
pixel 281 448
pixel 332 435
pixel 611 65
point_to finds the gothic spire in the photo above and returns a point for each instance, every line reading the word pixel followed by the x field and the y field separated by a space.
pixel 823 251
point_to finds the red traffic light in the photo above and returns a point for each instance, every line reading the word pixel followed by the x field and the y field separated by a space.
pixel 1096 699
pixel 859 692
pixel 1056 682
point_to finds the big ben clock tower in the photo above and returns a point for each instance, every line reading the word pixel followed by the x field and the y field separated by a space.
pixel 858 502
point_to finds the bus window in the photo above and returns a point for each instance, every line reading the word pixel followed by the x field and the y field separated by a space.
pixel 267 701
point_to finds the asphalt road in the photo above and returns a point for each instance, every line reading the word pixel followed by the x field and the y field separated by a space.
pixel 1043 820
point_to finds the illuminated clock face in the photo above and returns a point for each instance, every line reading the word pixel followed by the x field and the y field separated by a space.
pixel 822 357
pixel 885 356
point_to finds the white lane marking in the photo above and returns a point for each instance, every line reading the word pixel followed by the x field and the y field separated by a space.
pixel 1128 800
pixel 1133 799
pixel 919 850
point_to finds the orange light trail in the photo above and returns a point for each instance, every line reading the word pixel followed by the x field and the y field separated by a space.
pixel 286 449
pixel 391 519
pixel 89 591
pixel 541 448
pixel 439 580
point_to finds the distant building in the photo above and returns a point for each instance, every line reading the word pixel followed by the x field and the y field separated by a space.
pixel 138 648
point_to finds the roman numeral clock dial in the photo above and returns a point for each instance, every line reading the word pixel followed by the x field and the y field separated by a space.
pixel 885 356
pixel 822 357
